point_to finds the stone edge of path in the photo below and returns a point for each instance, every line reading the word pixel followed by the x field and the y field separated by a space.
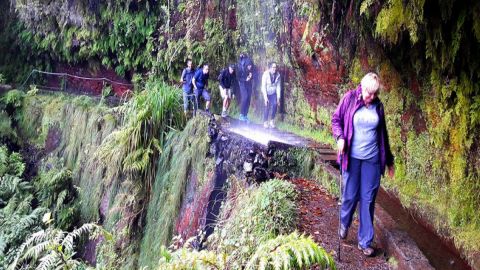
pixel 398 243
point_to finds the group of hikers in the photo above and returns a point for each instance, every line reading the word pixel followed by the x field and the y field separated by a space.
pixel 195 86
pixel 358 126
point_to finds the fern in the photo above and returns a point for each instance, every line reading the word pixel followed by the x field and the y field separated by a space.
pixel 51 261
pixel 185 258
pixel 11 164
pixel 9 184
pixel 52 248
pixel 54 189
pixel 292 251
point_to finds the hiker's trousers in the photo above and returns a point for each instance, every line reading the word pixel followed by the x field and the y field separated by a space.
pixel 245 95
pixel 361 181
pixel 271 108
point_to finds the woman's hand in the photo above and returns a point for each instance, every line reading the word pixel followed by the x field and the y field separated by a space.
pixel 340 146
pixel 391 171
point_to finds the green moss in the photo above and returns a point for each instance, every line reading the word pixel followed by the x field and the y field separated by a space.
pixel 356 71
pixel 397 17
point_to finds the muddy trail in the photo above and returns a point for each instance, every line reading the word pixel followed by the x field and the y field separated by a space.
pixel 318 217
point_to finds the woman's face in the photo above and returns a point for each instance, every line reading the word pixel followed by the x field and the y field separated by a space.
pixel 273 68
pixel 368 97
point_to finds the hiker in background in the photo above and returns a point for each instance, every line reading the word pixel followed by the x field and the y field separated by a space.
pixel 358 125
pixel 245 82
pixel 226 79
pixel 186 80
pixel 271 94
pixel 200 84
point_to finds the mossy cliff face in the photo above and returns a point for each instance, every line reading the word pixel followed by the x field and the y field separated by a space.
pixel 72 129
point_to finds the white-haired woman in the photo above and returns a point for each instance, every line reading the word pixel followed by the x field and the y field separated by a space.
pixel 359 128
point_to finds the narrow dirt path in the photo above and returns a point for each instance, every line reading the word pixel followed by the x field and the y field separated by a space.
pixel 318 217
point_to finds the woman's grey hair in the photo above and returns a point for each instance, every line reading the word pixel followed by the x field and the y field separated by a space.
pixel 370 82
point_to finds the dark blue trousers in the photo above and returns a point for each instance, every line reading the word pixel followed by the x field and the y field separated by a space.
pixel 245 95
pixel 271 107
pixel 361 182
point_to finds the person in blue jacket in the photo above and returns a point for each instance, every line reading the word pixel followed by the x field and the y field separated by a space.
pixel 186 80
pixel 200 86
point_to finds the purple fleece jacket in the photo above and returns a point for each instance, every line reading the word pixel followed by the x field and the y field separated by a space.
pixel 342 127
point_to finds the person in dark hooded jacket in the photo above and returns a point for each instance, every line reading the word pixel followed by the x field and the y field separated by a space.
pixel 245 82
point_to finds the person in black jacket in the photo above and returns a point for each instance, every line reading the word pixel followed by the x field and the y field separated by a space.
pixel 245 79
pixel 226 79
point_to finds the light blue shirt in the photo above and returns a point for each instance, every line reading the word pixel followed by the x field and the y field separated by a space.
pixel 364 142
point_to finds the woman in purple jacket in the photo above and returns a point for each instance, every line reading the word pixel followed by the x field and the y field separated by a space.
pixel 359 128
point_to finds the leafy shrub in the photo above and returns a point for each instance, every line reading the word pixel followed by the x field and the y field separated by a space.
pixel 6 131
pixel 185 258
pixel 254 217
pixel 147 118
pixel 10 163
pixel 13 98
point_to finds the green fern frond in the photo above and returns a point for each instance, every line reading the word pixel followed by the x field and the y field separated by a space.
pixel 52 248
pixel 37 237
pixel 34 252
pixel 51 261
pixel 62 196
pixel 9 184
pixel 25 205
pixel 292 251
pixel 68 241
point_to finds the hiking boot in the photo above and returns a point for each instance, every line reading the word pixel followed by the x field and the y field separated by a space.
pixel 265 124
pixel 241 117
pixel 224 114
pixel 368 251
pixel 342 232
pixel 272 124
